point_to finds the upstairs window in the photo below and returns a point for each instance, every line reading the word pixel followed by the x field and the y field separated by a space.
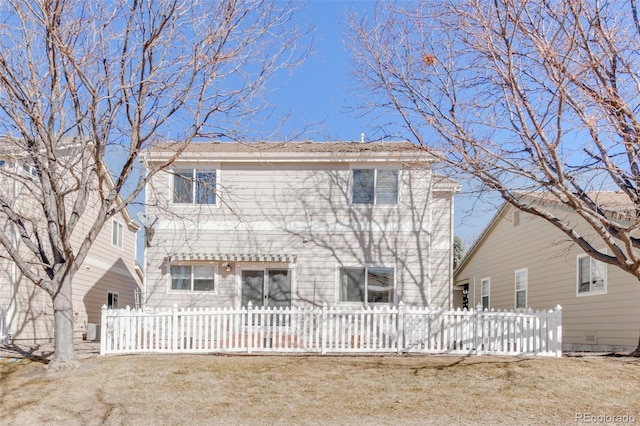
pixel 592 276
pixel 117 234
pixel 192 186
pixel 370 285
pixel 375 186
pixel 192 278
pixel 30 170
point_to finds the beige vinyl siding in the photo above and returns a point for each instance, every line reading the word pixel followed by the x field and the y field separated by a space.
pixel 106 268
pixel 610 320
pixel 304 209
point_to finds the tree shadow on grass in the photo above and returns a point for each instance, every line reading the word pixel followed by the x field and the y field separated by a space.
pixel 35 353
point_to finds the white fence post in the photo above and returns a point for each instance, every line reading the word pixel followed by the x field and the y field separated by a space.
pixel 103 330
pixel 479 328
pixel 323 329
pixel 249 327
pixel 558 334
pixel 400 328
pixel 174 329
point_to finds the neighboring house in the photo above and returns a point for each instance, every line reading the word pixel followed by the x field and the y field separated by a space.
pixel 298 224
pixel 109 275
pixel 522 261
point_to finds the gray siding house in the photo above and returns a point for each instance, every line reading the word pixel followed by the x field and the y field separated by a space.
pixel 521 261
pixel 298 224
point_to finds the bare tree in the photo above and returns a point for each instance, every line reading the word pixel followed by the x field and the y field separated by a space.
pixel 84 81
pixel 528 97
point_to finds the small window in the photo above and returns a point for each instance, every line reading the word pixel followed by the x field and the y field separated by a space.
pixel 2 163
pixel 112 300
pixel 485 289
pixel 117 234
pixel 375 186
pixel 370 285
pixel 194 186
pixel 30 169
pixel 521 288
pixel 200 278
pixel 592 276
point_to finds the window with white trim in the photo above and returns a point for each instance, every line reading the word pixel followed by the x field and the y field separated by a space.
pixel 521 288
pixel 370 284
pixel 194 186
pixel 592 276
pixel 199 278
pixel 485 289
pixel 112 300
pixel 375 186
pixel 30 170
pixel 117 234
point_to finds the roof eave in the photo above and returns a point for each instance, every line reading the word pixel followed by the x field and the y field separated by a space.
pixel 288 157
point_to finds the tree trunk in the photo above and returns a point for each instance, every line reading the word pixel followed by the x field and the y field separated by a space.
pixel 636 353
pixel 64 355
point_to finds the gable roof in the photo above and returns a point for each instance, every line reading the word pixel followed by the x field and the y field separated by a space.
pixel 483 235
pixel 615 205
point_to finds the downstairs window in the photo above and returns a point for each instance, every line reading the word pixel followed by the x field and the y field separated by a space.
pixel 369 284
pixel 193 278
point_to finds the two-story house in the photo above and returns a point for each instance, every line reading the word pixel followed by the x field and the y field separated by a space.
pixel 109 275
pixel 298 224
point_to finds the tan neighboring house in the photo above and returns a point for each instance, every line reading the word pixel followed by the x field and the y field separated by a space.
pixel 298 224
pixel 109 276
pixel 521 261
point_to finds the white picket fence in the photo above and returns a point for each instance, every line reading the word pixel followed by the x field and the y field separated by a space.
pixel 327 330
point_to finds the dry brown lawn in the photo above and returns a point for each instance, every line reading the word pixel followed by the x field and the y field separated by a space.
pixel 209 389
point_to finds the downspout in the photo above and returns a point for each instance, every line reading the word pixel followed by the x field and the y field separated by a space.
pixel 143 296
pixel 430 237
pixel 451 243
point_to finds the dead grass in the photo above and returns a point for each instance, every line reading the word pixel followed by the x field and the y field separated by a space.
pixel 205 389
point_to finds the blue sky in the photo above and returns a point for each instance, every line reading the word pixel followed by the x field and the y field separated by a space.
pixel 319 97
pixel 316 95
